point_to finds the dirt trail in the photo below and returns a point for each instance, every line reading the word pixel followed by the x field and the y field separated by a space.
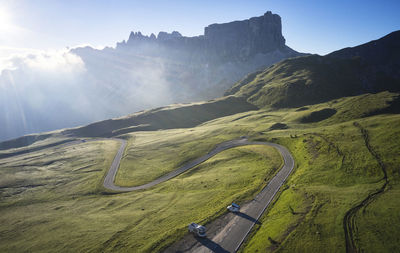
pixel 349 221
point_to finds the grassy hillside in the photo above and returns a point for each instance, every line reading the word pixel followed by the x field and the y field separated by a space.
pixel 169 117
pixel 340 164
pixel 169 150
pixel 52 199
pixel 33 143
pixel 369 68
pixel 336 171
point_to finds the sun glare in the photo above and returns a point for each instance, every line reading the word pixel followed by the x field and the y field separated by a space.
pixel 5 20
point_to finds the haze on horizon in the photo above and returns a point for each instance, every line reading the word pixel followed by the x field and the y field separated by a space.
pixel 41 78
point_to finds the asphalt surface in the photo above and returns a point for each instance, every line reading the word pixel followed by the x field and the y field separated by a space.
pixel 112 172
pixel 232 235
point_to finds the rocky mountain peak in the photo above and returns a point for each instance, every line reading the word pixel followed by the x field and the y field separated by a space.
pixel 191 68
pixel 162 36
pixel 245 38
pixel 237 40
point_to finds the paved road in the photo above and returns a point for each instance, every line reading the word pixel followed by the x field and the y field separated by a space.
pixel 110 177
pixel 112 172
pixel 230 238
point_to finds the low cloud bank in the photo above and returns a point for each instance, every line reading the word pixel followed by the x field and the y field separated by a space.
pixel 52 90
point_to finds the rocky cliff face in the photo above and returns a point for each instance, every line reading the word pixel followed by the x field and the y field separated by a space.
pixel 188 68
pixel 140 73
pixel 234 41
pixel 241 40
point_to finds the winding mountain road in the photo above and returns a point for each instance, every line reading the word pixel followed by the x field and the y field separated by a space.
pixel 231 237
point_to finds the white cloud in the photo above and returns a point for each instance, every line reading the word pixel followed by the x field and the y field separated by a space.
pixel 8 53
pixel 49 61
pixel 47 90
pixel 41 91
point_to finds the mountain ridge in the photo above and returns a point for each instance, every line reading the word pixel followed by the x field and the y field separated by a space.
pixel 368 68
pixel 89 84
pixel 235 101
pixel 200 67
pixel 237 40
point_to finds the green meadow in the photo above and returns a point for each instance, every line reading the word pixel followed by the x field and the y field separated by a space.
pixel 53 199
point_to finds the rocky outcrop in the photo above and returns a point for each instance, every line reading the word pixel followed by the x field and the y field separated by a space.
pixel 143 72
pixel 234 41
pixel 244 39
pixel 151 71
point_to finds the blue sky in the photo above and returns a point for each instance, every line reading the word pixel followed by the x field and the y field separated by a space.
pixel 308 26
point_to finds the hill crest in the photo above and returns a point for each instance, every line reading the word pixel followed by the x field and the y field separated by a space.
pixel 369 68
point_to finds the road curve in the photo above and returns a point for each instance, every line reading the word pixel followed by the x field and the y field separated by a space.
pixel 110 177
pixel 231 237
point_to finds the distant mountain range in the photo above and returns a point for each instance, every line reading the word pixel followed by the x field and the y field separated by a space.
pixel 148 71
pixel 337 115
pixel 369 68
pixel 141 73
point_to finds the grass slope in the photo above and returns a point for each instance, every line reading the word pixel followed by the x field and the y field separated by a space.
pixel 174 116
pixel 52 200
pixel 369 68
pixel 150 155
pixel 336 172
